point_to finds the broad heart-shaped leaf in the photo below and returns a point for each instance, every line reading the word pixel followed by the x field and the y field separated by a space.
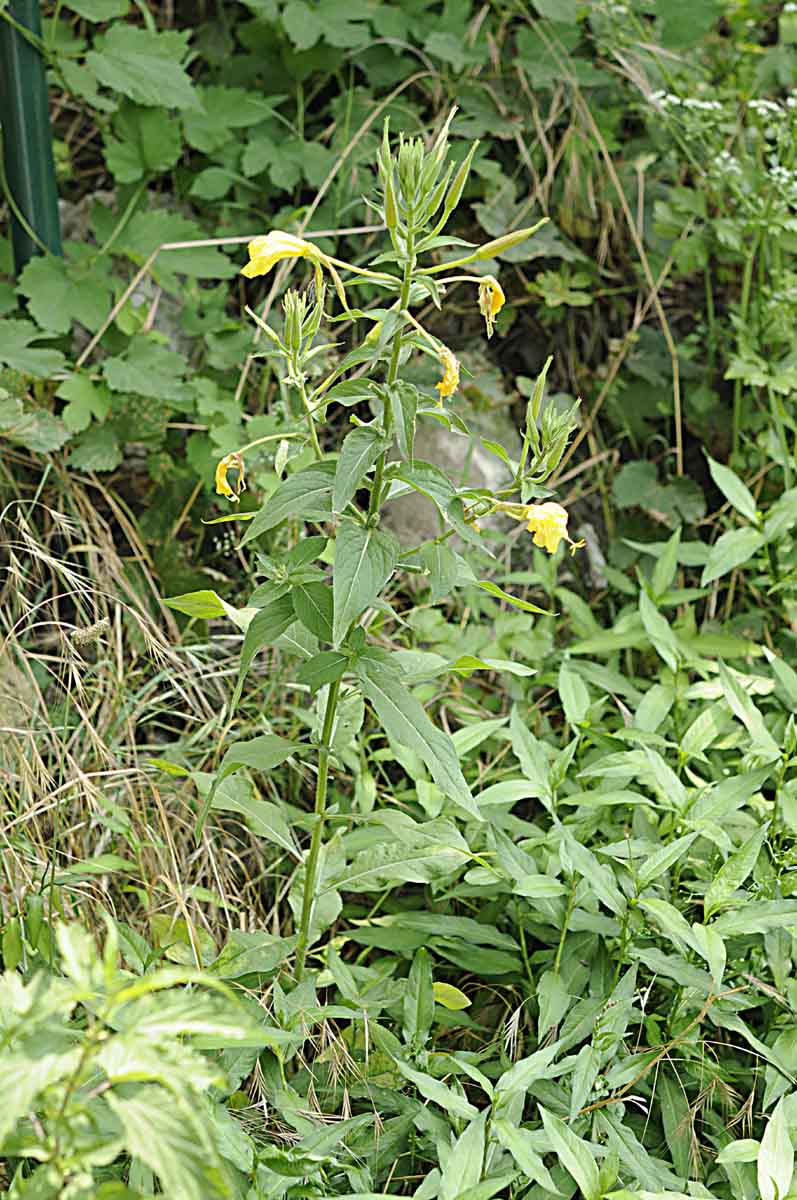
pixel 305 496
pixel 57 292
pixel 733 549
pixel 37 430
pixel 148 369
pixel 360 450
pixel 407 724
pixel 145 66
pixel 364 561
pixel 144 144
pixel 17 353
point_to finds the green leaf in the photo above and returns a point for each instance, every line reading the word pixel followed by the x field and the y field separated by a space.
pixel 463 1171
pixel 305 496
pixel 257 953
pixel 313 604
pixel 59 293
pixel 710 947
pixel 449 996
pixel 37 430
pixel 733 549
pixel 403 399
pixel 26 1073
pixel 441 565
pixel 262 817
pixel 86 400
pixel 432 1089
pixel 360 450
pixel 163 1133
pixel 16 350
pixel 97 449
pixel 322 669
pixel 146 231
pixel 268 623
pixel 145 66
pixel 574 1154
pixel 524 1148
pixel 418 1001
pixel 666 565
pixel 407 724
pixel 364 561
pixel 633 484
pixel 224 108
pixel 733 489
pixel 573 694
pixel 488 586
pixel 148 369
pixel 659 631
pixel 776 1156
pixel 99 10
pixel 144 144
pixel 732 874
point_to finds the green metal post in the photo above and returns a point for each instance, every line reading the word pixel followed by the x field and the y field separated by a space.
pixel 27 137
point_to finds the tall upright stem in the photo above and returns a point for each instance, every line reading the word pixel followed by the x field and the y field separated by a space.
pixel 744 304
pixel 392 372
pixel 311 866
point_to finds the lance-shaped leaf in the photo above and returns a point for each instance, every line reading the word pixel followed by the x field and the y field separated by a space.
pixel 364 560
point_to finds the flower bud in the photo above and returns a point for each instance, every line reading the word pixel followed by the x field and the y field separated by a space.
pixel 507 242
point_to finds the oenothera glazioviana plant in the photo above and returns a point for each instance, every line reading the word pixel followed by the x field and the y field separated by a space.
pixel 344 490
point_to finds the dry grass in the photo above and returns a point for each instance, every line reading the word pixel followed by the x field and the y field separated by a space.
pixel 94 683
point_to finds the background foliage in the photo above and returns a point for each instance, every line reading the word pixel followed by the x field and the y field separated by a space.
pixel 591 992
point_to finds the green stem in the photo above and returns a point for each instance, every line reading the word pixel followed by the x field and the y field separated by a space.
pixel 744 304
pixel 392 372
pixel 310 422
pixel 311 866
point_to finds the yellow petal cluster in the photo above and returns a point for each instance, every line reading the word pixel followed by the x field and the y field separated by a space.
pixel 230 462
pixel 548 523
pixel 491 301
pixel 450 381
pixel 264 252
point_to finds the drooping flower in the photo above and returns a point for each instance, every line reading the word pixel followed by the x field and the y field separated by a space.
pixel 264 252
pixel 548 523
pixel 230 462
pixel 491 301
pixel 450 381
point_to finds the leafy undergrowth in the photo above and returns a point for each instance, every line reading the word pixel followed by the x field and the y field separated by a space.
pixel 589 990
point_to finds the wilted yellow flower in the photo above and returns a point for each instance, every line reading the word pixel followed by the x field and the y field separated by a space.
pixel 264 252
pixel 230 462
pixel 450 381
pixel 491 300
pixel 548 523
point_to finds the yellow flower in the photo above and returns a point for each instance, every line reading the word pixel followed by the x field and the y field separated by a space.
pixel 548 523
pixel 230 462
pixel 450 381
pixel 491 300
pixel 264 252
